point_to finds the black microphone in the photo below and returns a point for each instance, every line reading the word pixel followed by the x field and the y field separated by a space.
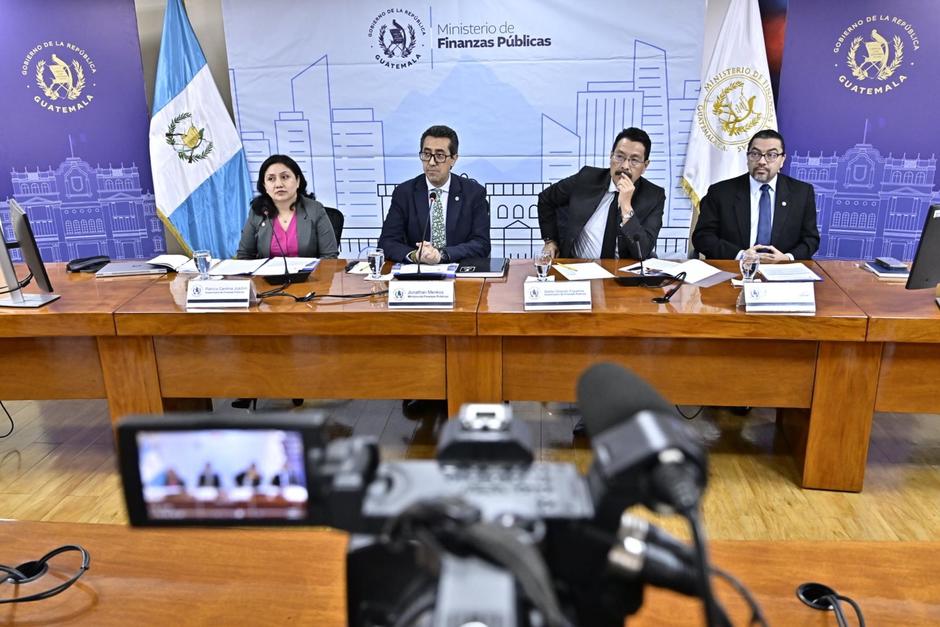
pixel 653 279
pixel 275 280
pixel 639 252
pixel 418 275
pixel 643 453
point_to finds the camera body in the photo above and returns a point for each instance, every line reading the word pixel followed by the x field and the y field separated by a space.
pixel 484 530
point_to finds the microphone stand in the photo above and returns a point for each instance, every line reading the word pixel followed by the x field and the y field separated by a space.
pixel 643 279
pixel 418 275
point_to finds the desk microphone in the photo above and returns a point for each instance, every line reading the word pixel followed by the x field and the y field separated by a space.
pixel 418 275
pixel 287 278
pixel 643 280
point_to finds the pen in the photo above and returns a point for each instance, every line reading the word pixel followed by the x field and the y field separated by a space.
pixel 564 265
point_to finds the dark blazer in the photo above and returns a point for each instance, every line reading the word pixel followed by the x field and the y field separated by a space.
pixel 468 220
pixel 315 237
pixel 724 222
pixel 565 207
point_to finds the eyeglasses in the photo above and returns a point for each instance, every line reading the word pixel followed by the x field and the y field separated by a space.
pixel 771 155
pixel 439 157
pixel 634 162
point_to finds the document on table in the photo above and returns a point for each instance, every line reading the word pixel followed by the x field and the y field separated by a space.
pixel 275 266
pixel 695 270
pixel 582 271
pixel 788 272
pixel 233 267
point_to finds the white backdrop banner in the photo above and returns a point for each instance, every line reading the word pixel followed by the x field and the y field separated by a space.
pixel 534 88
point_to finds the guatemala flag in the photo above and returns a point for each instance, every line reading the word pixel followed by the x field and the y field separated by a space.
pixel 200 176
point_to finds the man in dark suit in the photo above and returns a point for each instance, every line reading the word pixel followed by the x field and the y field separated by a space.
pixel 437 216
pixel 762 211
pixel 605 213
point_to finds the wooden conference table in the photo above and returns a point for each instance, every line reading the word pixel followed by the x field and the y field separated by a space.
pixel 131 340
pixel 57 351
pixel 329 348
pixel 297 576
pixel 904 330
pixel 698 349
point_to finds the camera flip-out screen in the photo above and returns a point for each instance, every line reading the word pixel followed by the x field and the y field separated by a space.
pixel 223 474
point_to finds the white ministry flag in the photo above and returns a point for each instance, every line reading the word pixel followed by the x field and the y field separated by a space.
pixel 735 102
pixel 200 176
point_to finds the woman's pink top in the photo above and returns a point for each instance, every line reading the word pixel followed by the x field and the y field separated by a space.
pixel 287 237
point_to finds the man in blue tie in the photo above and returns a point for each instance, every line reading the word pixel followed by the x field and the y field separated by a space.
pixel 762 211
pixel 437 216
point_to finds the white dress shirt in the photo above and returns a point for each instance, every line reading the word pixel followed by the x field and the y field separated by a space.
pixel 589 243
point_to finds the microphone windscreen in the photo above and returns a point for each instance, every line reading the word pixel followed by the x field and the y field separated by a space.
pixel 609 394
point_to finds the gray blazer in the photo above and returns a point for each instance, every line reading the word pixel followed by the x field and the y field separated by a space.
pixel 315 236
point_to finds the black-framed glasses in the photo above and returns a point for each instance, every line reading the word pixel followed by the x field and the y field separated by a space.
pixel 634 162
pixel 770 155
pixel 439 157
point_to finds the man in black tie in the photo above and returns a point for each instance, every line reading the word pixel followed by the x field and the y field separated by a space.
pixel 762 211
pixel 605 213
pixel 437 217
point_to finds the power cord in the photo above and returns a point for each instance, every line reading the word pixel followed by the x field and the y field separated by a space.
pixel 313 295
pixel 10 418
pixel 757 614
pixel 821 597
pixel 693 416
pixel 20 285
pixel 31 571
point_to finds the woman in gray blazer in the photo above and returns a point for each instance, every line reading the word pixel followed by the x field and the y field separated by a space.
pixel 284 218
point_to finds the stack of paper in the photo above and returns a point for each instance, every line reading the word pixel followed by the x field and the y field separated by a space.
pixel 582 271
pixel 788 272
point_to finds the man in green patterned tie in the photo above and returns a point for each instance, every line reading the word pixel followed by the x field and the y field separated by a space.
pixel 437 217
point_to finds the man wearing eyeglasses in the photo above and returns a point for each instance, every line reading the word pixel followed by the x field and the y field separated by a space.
pixel 605 213
pixel 762 211
pixel 437 217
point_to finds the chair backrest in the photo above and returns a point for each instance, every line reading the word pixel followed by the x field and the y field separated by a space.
pixel 336 219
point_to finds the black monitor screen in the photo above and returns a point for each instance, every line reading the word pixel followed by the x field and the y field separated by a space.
pixel 24 236
pixel 925 271
pixel 223 475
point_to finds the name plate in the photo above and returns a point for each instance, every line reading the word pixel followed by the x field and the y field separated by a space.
pixel 217 294
pixel 420 294
pixel 779 297
pixel 560 296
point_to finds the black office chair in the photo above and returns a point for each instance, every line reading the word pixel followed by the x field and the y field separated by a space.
pixel 337 219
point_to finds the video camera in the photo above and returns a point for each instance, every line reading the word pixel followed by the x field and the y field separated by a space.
pixel 482 533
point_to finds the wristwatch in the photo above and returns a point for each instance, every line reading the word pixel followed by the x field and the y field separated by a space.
pixel 624 220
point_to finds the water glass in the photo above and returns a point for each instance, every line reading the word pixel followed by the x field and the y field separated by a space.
pixel 202 259
pixel 750 264
pixel 376 257
pixel 543 263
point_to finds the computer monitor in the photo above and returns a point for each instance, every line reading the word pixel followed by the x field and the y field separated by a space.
pixel 13 295
pixel 925 271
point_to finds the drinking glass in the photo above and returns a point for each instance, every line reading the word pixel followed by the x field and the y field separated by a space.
pixel 543 263
pixel 750 264
pixel 376 257
pixel 202 259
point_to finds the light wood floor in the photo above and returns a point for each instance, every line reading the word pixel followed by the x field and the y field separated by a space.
pixel 59 465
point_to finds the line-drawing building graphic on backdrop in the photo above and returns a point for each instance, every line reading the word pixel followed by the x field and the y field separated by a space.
pixel 77 210
pixel 868 205
pixel 350 168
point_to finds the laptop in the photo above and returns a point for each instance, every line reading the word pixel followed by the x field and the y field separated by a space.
pixel 128 268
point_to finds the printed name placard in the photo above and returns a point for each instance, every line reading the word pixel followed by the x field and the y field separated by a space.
pixel 779 297
pixel 561 295
pixel 420 294
pixel 220 294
